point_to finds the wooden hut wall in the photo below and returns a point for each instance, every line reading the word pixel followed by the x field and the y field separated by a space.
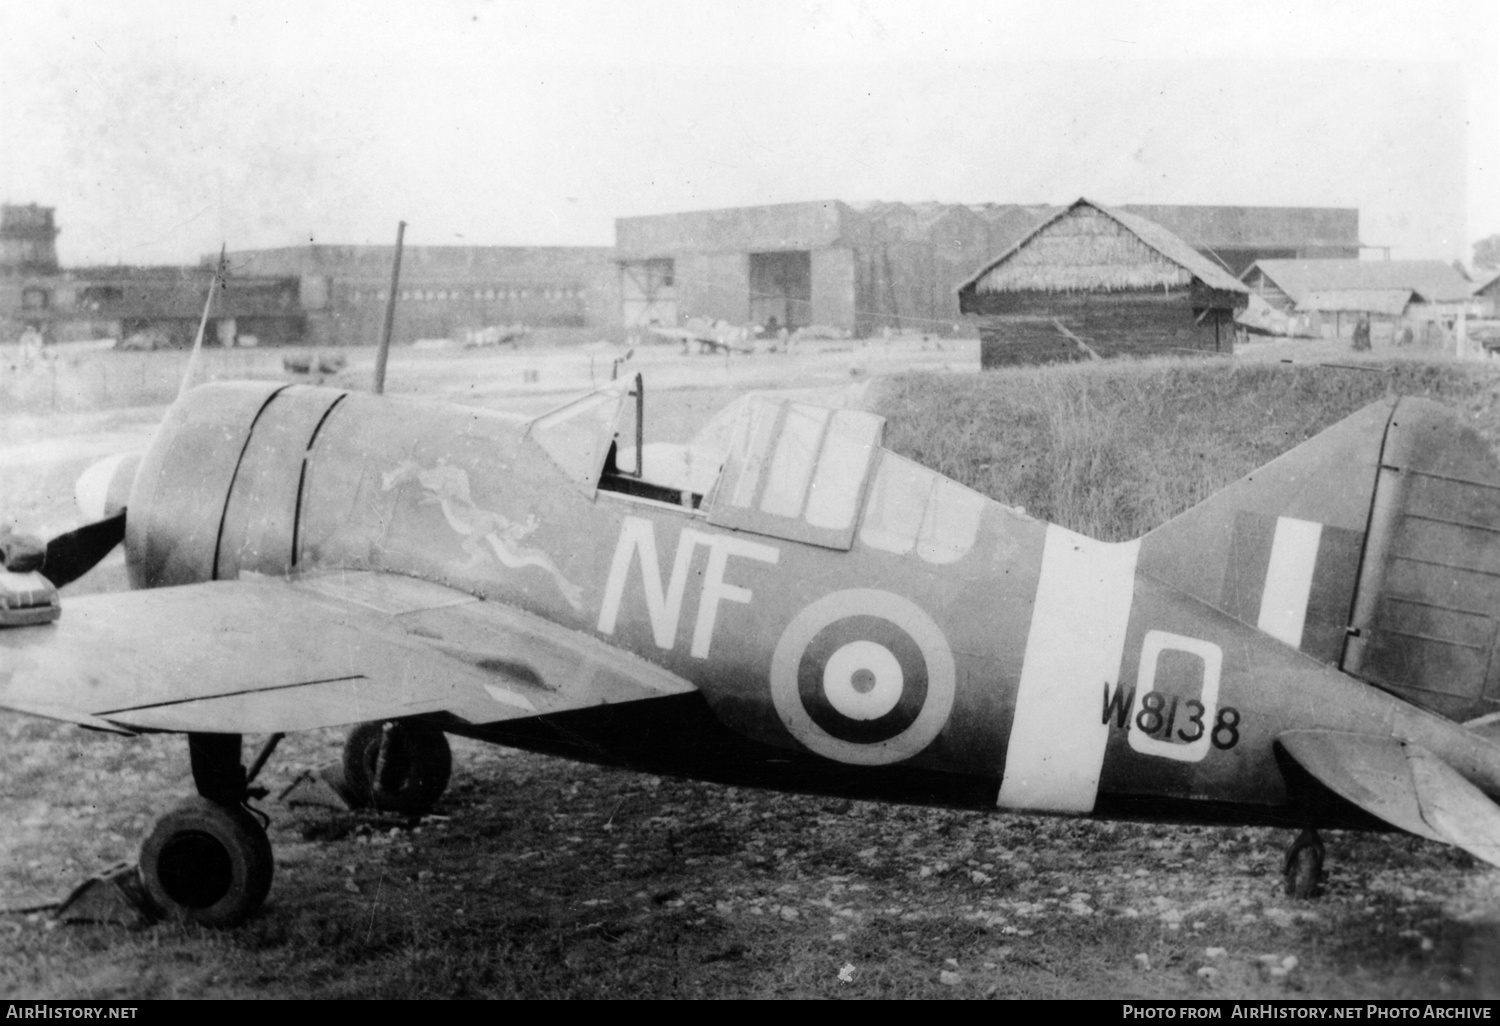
pixel 1022 327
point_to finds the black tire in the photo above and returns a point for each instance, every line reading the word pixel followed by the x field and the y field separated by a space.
pixel 206 863
pixel 418 765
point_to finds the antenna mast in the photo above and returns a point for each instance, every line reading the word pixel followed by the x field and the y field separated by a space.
pixel 390 312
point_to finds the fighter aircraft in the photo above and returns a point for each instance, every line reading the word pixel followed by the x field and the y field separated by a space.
pixel 708 335
pixel 798 609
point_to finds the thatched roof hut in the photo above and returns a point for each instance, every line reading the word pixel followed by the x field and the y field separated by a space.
pixel 1089 246
pixel 1090 279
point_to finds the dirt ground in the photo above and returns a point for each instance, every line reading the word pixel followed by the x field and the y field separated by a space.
pixel 544 878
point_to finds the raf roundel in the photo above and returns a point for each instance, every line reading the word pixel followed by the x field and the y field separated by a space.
pixel 863 676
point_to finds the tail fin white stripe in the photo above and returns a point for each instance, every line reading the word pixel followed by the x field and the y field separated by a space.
pixel 1055 752
pixel 1289 577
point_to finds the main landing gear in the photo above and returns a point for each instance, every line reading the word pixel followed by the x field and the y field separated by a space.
pixel 400 767
pixel 209 861
pixel 1303 869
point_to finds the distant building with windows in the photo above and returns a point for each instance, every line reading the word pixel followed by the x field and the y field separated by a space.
pixel 149 307
pixel 858 267
pixel 444 292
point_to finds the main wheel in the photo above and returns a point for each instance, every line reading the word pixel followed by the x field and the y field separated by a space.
pixel 207 863
pixel 415 771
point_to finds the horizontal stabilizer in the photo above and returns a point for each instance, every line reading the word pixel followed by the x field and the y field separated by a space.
pixel 1403 784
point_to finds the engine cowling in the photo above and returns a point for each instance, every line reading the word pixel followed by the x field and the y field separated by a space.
pixel 216 493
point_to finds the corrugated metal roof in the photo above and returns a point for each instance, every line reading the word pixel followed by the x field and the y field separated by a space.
pixel 1377 301
pixel 1149 232
pixel 1432 280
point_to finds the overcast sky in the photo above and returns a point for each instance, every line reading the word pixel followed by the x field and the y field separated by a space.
pixel 159 128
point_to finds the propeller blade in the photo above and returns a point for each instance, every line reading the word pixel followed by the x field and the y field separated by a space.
pixel 71 555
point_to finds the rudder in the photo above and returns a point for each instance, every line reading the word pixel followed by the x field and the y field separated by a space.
pixel 1424 621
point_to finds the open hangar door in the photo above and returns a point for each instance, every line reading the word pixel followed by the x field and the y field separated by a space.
pixel 781 289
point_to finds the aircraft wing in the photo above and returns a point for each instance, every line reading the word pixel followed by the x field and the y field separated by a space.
pixel 1403 784
pixel 266 655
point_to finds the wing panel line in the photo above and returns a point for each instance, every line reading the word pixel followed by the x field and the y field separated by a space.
pixel 231 694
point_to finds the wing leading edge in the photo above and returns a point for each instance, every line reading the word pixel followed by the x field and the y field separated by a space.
pixel 274 655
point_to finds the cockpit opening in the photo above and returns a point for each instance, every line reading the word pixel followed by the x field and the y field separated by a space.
pixel 770 466
pixel 599 442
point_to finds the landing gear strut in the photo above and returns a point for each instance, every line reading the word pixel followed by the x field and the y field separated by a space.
pixel 1303 869
pixel 209 861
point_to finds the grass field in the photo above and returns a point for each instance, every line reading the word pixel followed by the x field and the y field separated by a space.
pixel 1115 449
pixel 544 878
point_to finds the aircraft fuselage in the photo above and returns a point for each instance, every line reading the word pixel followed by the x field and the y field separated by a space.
pixel 957 652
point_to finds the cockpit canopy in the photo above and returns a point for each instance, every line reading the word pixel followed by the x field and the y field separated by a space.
pixel 769 466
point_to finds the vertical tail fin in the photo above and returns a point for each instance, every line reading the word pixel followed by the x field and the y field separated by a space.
pixel 1375 546
pixel 1280 549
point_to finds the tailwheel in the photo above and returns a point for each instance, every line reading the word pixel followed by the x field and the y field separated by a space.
pixel 397 767
pixel 207 863
pixel 1303 869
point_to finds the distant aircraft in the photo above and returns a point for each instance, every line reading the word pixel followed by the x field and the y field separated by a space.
pixel 710 336
pixel 1312 647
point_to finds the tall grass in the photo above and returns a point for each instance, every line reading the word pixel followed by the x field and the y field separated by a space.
pixel 1114 449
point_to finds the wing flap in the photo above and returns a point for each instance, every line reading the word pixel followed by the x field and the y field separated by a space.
pixel 264 656
pixel 1403 784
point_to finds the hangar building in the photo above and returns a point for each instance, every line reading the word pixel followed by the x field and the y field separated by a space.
pixel 829 263
pixel 866 266
pixel 1236 237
